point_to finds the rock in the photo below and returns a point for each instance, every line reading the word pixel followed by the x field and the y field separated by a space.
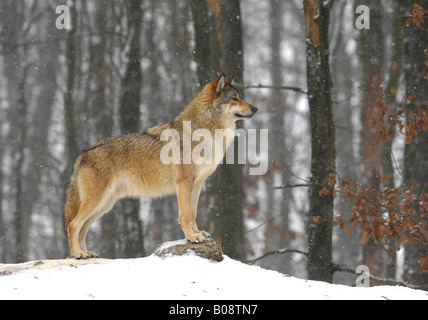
pixel 207 250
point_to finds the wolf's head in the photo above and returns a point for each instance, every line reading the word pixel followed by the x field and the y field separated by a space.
pixel 227 99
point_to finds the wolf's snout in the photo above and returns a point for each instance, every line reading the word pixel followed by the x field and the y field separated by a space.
pixel 254 110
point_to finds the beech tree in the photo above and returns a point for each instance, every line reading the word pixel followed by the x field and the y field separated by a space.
pixel 219 49
pixel 130 122
pixel 416 130
pixel 319 226
pixel 371 52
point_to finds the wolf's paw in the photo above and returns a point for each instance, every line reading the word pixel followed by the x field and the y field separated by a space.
pixel 92 254
pixel 85 255
pixel 206 234
pixel 197 237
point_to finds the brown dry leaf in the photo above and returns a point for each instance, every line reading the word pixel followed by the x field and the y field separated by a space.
pixel 317 219
pixel 365 237
pixel 423 264
pixel 348 230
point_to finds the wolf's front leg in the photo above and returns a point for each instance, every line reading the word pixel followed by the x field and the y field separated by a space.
pixel 186 217
pixel 190 229
pixel 195 199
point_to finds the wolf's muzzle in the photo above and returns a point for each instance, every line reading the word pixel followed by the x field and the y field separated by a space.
pixel 247 116
pixel 253 112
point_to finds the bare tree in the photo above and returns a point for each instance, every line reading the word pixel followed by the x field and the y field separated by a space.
pixel 15 55
pixel 130 122
pixel 319 224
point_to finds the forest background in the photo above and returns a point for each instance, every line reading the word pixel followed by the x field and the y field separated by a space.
pixel 341 88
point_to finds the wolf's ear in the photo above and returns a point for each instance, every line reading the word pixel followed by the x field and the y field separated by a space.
pixel 231 80
pixel 220 84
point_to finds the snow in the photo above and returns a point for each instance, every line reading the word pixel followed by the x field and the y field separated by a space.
pixel 172 277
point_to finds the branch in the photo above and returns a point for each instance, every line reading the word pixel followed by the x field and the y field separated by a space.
pixel 292 186
pixel 396 166
pixel 262 224
pixel 343 268
pixel 328 4
pixel 275 252
pixel 338 267
pixel 260 86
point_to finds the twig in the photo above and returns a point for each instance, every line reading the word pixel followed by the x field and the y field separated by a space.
pixel 292 186
pixel 275 252
pixel 294 175
pixel 396 165
pixel 261 86
pixel 262 224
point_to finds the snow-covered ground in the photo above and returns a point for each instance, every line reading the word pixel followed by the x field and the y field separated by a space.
pixel 174 277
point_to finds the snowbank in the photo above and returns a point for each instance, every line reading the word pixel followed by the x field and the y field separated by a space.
pixel 173 277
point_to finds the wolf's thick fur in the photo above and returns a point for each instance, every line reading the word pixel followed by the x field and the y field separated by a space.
pixel 130 165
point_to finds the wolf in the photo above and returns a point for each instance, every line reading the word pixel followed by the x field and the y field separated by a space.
pixel 131 166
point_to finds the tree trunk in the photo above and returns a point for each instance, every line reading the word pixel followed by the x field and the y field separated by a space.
pixel 219 49
pixel 348 246
pixel 207 48
pixel 70 122
pixel 131 84
pixel 129 111
pixel 415 157
pixel 319 224
pixel 371 51
pixel 15 58
pixel 395 71
pixel 2 226
pixel 71 146
pixel 21 216
pixel 100 109
pixel 278 201
pixel 228 181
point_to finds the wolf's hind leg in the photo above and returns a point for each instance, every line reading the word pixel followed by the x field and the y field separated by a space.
pixel 77 230
pixel 84 231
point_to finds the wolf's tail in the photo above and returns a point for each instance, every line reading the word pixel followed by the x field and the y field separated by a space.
pixel 72 202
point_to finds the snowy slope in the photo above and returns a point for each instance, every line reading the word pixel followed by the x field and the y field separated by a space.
pixel 175 277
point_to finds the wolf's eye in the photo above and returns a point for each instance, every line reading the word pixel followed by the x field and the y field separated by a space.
pixel 235 99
